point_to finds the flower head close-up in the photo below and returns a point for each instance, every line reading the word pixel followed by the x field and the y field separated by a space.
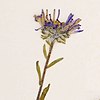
pixel 53 29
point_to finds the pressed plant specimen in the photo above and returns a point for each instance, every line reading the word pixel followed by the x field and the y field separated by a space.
pixel 53 31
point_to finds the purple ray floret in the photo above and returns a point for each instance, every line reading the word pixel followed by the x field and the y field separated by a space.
pixel 79 31
pixel 69 18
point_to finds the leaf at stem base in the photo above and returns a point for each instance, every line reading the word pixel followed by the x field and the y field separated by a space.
pixel 42 97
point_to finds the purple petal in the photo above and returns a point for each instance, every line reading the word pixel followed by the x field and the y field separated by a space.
pixel 75 27
pixel 77 21
pixel 78 31
pixel 39 16
pixel 69 18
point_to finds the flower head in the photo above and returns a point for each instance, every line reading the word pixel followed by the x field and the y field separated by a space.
pixel 54 30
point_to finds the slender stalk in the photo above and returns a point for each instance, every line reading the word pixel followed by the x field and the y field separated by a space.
pixel 44 71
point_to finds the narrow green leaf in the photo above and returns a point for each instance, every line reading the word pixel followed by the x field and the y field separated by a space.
pixel 44 51
pixel 38 71
pixel 44 92
pixel 54 62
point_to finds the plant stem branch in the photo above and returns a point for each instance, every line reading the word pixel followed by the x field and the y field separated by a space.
pixel 45 69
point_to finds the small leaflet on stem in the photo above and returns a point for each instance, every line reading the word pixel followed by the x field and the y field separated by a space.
pixel 44 51
pixel 38 71
pixel 54 62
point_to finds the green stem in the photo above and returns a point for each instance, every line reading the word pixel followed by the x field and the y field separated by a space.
pixel 44 71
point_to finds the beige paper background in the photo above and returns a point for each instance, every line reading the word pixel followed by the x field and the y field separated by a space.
pixel 77 77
